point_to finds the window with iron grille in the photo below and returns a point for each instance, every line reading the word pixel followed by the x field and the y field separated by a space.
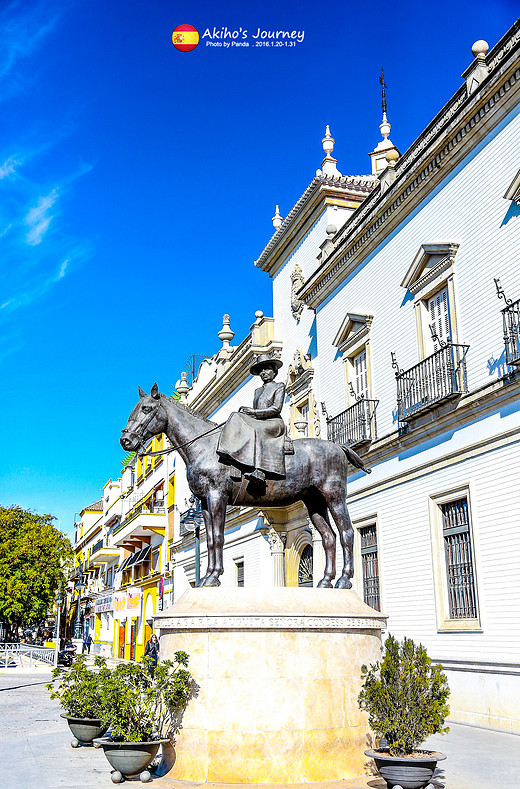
pixel 460 574
pixel 305 567
pixel 370 565
pixel 240 573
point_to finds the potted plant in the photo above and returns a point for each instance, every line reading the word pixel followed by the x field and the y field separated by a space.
pixel 144 708
pixel 406 699
pixel 79 693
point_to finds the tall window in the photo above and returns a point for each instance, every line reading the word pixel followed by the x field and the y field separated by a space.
pixel 240 572
pixel 370 565
pixel 460 575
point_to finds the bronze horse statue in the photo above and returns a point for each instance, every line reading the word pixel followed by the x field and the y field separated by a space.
pixel 316 474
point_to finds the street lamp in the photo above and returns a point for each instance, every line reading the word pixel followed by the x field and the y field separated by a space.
pixel 192 520
pixel 58 612
pixel 79 585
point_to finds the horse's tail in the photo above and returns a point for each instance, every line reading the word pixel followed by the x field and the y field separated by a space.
pixel 354 458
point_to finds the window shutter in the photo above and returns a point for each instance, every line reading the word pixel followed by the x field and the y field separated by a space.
pixel 359 364
pixel 439 315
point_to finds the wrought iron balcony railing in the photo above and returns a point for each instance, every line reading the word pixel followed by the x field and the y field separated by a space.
pixel 356 425
pixel 511 324
pixel 439 377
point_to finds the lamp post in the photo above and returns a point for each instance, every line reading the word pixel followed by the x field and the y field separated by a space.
pixel 192 521
pixel 79 586
pixel 58 612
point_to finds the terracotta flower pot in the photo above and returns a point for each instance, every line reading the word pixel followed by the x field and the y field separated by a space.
pixel 406 772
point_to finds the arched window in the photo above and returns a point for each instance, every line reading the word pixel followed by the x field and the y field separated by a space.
pixel 305 567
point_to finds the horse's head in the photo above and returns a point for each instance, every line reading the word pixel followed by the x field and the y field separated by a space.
pixel 148 418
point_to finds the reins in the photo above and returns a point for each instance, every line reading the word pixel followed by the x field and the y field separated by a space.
pixel 179 446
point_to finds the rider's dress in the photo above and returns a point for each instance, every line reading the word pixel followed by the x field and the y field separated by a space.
pixel 257 441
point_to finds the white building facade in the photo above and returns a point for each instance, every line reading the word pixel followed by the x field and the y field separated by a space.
pixel 397 339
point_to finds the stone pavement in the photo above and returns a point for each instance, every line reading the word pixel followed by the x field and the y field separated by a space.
pixel 35 750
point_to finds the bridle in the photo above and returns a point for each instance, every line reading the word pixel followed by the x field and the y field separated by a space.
pixel 142 440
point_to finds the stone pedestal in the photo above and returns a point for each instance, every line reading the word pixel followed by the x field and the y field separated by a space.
pixel 279 675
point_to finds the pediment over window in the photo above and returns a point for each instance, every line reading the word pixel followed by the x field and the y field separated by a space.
pixel 353 327
pixel 430 261
pixel 513 193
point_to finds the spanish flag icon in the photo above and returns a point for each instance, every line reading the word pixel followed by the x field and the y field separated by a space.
pixel 185 38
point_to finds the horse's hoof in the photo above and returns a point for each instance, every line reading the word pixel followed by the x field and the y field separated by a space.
pixel 343 583
pixel 324 584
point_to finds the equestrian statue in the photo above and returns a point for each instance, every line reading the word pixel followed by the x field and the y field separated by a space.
pixel 249 461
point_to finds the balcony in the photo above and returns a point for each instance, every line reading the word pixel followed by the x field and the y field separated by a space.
pixel 354 426
pixel 511 323
pixel 437 378
pixel 142 517
pixel 101 554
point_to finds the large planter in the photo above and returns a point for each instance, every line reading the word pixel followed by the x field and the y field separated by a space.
pixel 85 730
pixel 129 758
pixel 407 772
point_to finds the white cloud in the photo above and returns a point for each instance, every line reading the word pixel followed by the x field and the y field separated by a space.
pixel 38 219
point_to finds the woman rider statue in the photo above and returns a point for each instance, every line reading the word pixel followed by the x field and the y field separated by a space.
pixel 252 439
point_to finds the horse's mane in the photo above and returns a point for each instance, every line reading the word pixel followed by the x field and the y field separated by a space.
pixel 191 411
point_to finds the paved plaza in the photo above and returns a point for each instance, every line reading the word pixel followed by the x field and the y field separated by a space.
pixel 35 750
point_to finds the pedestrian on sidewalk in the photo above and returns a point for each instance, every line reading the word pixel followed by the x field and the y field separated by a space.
pixel 88 642
pixel 151 650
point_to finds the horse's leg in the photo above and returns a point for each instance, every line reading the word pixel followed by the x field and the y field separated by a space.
pixel 338 509
pixel 210 541
pixel 320 520
pixel 217 515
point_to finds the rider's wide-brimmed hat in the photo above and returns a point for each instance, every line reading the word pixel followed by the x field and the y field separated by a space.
pixel 263 360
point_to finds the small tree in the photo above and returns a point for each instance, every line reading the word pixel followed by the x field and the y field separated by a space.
pixel 80 690
pixel 140 707
pixel 405 696
pixel 33 559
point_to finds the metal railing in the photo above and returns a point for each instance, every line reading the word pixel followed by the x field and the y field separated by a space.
pixel 97 546
pixel 511 324
pixel 438 377
pixel 355 425
pixel 24 655
pixel 144 505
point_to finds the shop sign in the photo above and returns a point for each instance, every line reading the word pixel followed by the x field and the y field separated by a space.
pixel 120 605
pixel 134 595
pixel 104 604
pixel 160 589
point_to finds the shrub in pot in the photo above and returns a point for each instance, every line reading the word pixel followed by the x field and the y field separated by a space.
pixel 144 709
pixel 79 693
pixel 405 696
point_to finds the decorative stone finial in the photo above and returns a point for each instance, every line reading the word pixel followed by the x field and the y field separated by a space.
pixel 480 47
pixel 226 334
pixel 259 315
pixel 391 157
pixel 331 231
pixel 478 70
pixel 182 387
pixel 277 219
pixel 328 165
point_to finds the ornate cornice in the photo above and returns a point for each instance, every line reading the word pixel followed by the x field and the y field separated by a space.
pixel 460 125
pixel 348 191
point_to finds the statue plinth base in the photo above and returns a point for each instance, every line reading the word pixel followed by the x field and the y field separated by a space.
pixel 279 675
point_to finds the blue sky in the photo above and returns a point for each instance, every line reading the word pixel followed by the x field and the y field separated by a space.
pixel 137 186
